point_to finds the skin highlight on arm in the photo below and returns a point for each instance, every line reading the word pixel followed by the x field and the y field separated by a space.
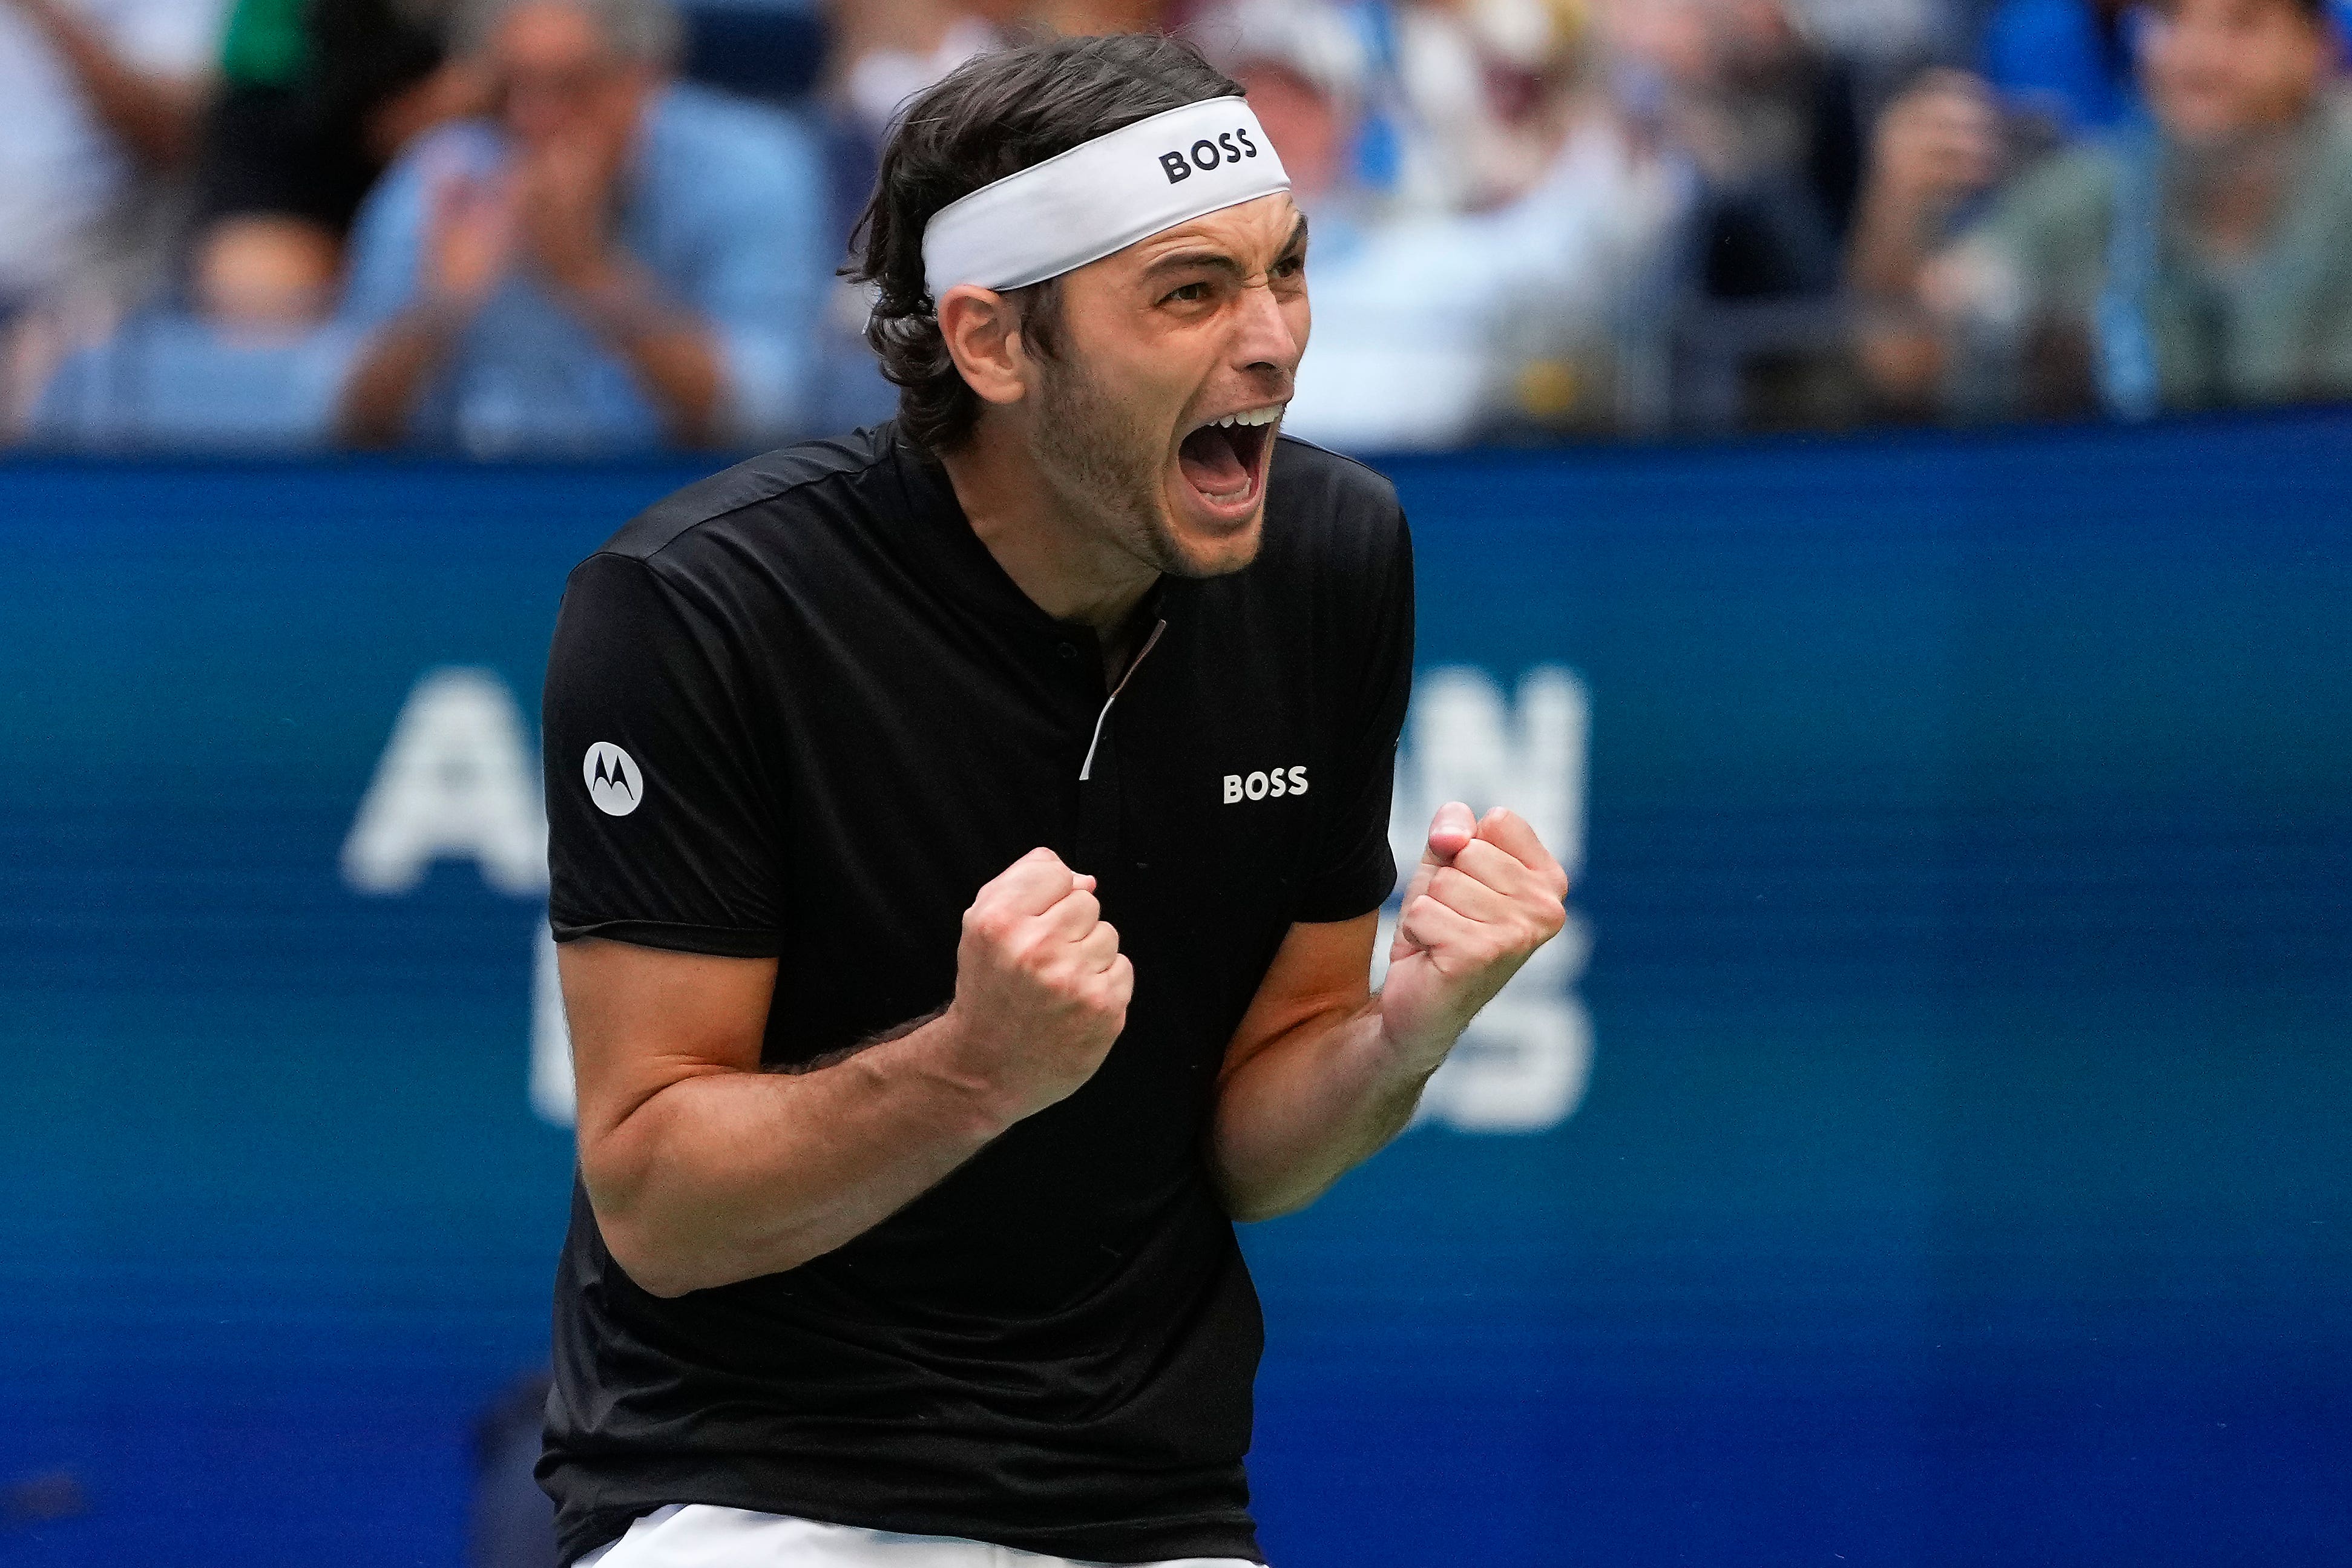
pixel 1306 1092
pixel 704 1170
pixel 1322 1073
pixel 701 1168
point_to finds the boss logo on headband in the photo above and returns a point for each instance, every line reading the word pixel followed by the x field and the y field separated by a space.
pixel 1205 154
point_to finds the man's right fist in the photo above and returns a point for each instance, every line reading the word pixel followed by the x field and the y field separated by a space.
pixel 1041 986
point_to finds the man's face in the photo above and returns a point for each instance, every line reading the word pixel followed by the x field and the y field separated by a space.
pixel 1175 358
pixel 2217 70
pixel 558 80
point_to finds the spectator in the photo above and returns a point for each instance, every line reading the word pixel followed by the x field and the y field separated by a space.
pixel 886 51
pixel 1465 95
pixel 1425 322
pixel 883 53
pixel 103 100
pixel 617 259
pixel 318 96
pixel 1771 125
pixel 1766 123
pixel 2204 258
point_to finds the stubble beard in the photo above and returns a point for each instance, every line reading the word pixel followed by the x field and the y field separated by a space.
pixel 1105 461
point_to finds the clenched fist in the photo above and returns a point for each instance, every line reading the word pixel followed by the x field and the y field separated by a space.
pixel 1041 986
pixel 1486 895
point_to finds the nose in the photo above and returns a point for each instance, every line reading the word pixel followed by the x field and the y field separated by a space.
pixel 1263 339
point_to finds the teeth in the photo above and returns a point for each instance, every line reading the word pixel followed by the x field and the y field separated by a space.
pixel 1267 415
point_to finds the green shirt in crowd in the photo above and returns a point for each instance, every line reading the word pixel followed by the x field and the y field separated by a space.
pixel 2099 244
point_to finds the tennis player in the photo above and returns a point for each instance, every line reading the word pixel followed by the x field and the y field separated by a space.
pixel 968 838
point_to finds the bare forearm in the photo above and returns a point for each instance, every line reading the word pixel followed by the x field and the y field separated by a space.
pixel 731 1176
pixel 1308 1108
pixel 1896 342
pixel 1893 234
pixel 681 364
pixel 395 365
pixel 672 352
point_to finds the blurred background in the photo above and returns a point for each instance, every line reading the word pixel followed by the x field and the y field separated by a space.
pixel 1878 472
pixel 301 224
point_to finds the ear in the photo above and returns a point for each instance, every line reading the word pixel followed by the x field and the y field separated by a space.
pixel 983 330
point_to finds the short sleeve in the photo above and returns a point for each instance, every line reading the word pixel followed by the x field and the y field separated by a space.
pixel 1354 871
pixel 662 829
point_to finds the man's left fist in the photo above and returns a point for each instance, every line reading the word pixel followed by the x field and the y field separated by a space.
pixel 1486 895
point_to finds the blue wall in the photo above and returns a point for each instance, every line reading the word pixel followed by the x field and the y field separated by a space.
pixel 1963 1174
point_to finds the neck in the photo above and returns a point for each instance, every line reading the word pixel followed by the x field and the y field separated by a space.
pixel 1060 558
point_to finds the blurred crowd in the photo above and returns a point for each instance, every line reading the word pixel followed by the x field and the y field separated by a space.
pixel 552 226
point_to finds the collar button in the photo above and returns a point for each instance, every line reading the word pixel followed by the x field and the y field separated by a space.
pixel 1067 650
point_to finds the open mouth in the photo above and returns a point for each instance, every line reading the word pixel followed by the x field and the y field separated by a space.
pixel 1225 459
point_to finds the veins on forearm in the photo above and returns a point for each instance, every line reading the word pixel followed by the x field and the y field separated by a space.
pixel 835 1058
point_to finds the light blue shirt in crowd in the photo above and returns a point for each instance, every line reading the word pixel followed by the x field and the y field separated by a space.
pixel 723 202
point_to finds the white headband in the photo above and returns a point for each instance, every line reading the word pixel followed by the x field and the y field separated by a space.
pixel 1100 196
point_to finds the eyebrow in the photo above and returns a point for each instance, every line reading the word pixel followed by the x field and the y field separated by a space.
pixel 1218 261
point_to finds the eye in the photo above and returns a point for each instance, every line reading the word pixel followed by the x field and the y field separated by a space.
pixel 1190 293
pixel 1290 266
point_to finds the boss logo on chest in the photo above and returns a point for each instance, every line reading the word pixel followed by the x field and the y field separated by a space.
pixel 1231 147
pixel 1271 785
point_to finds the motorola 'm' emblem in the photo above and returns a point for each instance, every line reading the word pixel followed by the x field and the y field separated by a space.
pixel 614 781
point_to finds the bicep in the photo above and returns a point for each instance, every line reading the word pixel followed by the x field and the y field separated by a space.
pixel 1323 970
pixel 644 1020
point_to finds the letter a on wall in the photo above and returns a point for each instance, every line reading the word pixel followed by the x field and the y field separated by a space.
pixel 457 782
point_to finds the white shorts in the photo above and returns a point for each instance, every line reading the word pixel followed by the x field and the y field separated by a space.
pixel 703 1535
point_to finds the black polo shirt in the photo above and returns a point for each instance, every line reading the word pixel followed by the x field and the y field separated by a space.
pixel 798 710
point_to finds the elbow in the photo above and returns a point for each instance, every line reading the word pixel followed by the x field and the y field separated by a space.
pixel 645 1249
pixel 672 1249
pixel 666 1268
pixel 653 1252
pixel 1248 1203
pixel 666 1280
pixel 663 1260
pixel 663 1277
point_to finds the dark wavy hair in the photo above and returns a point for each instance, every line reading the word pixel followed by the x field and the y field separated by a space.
pixel 992 116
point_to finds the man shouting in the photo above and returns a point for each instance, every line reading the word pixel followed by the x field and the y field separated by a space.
pixel 968 840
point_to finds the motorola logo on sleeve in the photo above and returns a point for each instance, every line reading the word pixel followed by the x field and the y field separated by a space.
pixel 1229 147
pixel 613 781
